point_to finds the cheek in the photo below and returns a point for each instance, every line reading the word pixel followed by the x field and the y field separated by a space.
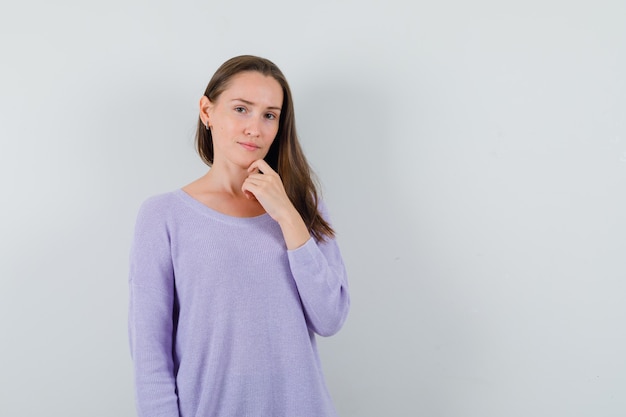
pixel 272 130
pixel 222 126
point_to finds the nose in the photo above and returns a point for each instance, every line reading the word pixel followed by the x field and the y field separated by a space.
pixel 253 128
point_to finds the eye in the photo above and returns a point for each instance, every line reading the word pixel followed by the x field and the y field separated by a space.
pixel 240 109
pixel 270 116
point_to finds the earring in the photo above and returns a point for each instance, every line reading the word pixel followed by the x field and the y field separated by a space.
pixel 206 125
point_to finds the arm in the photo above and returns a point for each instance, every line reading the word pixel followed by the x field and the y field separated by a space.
pixel 321 279
pixel 151 282
pixel 317 267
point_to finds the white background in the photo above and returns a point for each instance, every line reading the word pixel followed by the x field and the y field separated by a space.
pixel 472 154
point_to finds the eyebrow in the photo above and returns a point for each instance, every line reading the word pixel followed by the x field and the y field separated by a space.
pixel 249 103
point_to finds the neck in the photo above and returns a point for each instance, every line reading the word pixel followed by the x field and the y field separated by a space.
pixel 225 179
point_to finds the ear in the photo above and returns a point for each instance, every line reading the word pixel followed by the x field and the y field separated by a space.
pixel 205 109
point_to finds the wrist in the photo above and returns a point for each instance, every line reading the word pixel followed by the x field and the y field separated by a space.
pixel 294 230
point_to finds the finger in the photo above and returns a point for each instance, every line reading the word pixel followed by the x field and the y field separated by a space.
pixel 254 185
pixel 257 178
pixel 261 166
pixel 246 189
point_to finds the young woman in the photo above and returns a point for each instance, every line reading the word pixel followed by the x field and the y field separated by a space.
pixel 232 275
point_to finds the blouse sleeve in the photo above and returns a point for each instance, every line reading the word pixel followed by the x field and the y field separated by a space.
pixel 321 279
pixel 151 315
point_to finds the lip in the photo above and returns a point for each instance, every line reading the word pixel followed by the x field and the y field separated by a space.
pixel 249 146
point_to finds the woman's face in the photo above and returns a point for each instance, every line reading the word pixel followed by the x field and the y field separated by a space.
pixel 244 118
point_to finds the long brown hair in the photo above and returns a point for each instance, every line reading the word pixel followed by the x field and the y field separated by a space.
pixel 285 155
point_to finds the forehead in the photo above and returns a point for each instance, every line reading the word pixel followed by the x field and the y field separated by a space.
pixel 254 87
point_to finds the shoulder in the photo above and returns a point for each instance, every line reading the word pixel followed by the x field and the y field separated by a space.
pixel 158 207
pixel 160 200
pixel 322 209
